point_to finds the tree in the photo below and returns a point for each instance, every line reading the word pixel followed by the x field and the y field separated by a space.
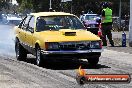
pixel 76 5
pixel 35 5
pixel 25 6
pixel 4 5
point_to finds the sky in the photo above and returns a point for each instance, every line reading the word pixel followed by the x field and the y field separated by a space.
pixel 14 2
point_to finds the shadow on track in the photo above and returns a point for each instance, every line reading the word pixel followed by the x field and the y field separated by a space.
pixel 68 64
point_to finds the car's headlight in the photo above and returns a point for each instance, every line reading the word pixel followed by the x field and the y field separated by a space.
pixel 96 44
pixel 52 46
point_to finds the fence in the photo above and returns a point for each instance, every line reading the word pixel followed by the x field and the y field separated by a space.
pixel 118 30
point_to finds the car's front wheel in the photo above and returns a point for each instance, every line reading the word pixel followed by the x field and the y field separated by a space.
pixel 93 61
pixel 21 53
pixel 39 60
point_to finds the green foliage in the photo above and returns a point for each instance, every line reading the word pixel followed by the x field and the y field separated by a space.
pixel 76 5
pixel 36 5
pixel 19 1
pixel 3 4
pixel 25 5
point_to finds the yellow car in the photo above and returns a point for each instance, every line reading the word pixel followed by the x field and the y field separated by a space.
pixel 51 35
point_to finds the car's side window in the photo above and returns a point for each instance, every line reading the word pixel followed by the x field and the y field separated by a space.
pixel 31 24
pixel 25 23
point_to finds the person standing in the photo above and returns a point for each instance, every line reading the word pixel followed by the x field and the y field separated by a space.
pixel 107 24
pixel 81 16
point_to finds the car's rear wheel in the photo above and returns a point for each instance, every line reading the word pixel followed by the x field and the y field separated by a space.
pixel 39 60
pixel 21 53
pixel 93 61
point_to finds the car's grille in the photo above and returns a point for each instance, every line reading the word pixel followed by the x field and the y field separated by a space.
pixel 75 46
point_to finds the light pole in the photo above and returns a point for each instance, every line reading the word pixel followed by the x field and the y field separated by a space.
pixel 71 6
pixel 120 15
pixel 130 25
pixel 50 5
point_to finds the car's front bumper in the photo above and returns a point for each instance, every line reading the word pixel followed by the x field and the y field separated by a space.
pixel 72 52
pixel 79 54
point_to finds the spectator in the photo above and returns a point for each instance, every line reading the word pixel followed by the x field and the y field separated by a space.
pixel 107 24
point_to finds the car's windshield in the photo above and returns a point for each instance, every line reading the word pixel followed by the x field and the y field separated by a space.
pixel 91 17
pixel 59 22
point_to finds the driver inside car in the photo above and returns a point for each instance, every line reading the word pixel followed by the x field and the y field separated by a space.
pixel 40 24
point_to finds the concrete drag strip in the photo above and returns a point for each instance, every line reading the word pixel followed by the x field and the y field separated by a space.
pixel 120 56
pixel 18 74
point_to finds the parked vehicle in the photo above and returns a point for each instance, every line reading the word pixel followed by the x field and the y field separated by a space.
pixel 11 19
pixel 4 20
pixel 51 35
pixel 92 22
pixel 116 24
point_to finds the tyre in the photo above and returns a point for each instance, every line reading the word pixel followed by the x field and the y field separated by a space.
pixel 39 60
pixel 93 61
pixel 21 53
